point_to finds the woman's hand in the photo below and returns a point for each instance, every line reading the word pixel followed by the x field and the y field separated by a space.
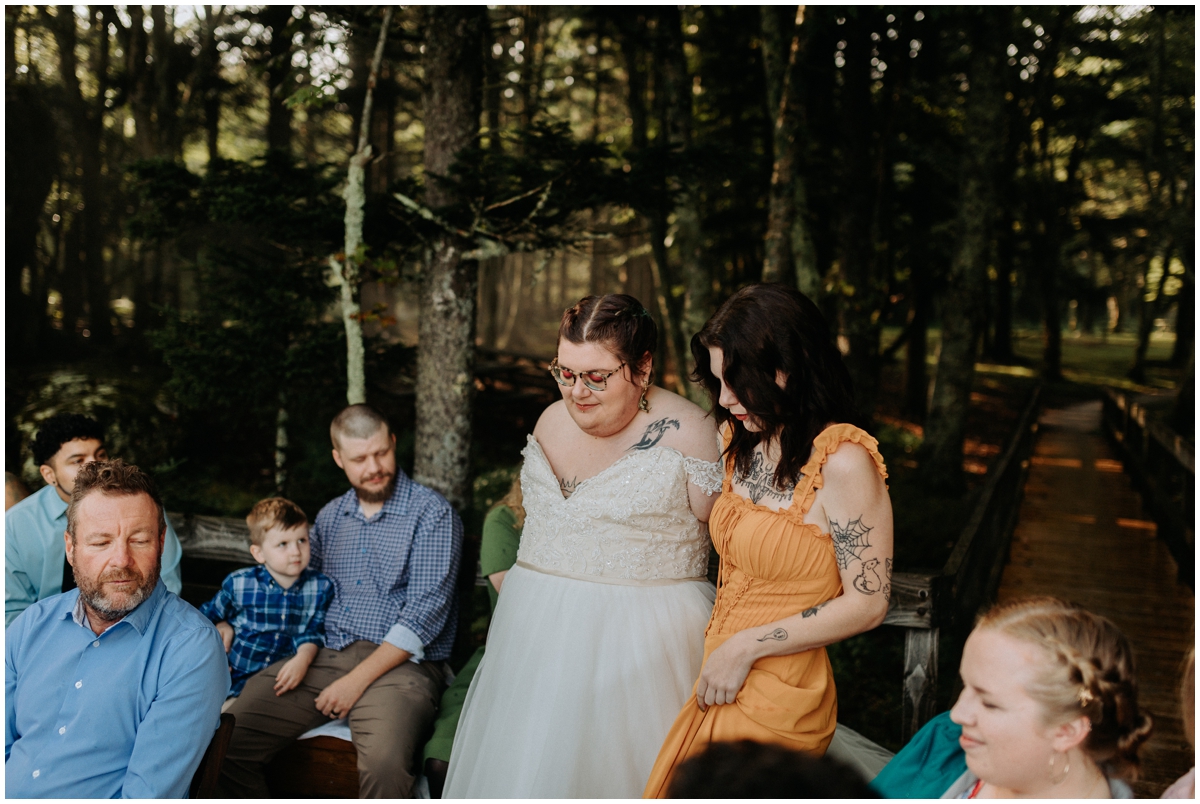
pixel 724 673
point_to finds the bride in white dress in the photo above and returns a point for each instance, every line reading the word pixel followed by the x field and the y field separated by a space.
pixel 599 635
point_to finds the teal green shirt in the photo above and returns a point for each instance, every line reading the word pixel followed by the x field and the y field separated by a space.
pixel 34 552
pixel 926 767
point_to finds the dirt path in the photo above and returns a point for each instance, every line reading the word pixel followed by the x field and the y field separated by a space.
pixel 1082 535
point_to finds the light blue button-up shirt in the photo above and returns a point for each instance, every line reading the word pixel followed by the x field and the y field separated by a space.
pixel 125 714
pixel 34 552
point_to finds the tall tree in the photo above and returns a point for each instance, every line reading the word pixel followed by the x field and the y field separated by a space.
pixel 452 102
pixel 790 253
pixel 87 127
pixel 356 198
pixel 963 303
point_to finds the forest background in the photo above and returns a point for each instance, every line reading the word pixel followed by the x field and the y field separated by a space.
pixel 222 222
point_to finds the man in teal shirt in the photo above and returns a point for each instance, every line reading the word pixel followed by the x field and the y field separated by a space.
pixel 34 555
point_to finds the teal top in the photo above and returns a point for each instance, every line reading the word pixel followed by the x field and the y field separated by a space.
pixel 34 552
pixel 926 767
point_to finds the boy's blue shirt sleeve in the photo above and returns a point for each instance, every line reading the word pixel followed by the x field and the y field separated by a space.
pixel 926 767
pixel 223 606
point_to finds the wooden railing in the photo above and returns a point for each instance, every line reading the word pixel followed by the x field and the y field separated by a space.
pixel 1162 465
pixel 926 603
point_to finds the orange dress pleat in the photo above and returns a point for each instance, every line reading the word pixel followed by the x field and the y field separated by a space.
pixel 773 565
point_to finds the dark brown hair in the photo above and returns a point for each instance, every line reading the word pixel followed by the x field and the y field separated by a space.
pixel 761 330
pixel 1089 671
pixel 616 321
pixel 748 769
pixel 114 478
pixel 271 513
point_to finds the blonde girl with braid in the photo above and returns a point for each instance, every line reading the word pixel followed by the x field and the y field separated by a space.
pixel 1049 705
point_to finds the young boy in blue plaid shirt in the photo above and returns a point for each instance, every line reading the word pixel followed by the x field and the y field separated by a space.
pixel 277 608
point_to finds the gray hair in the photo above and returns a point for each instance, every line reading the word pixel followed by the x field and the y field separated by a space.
pixel 356 421
pixel 113 478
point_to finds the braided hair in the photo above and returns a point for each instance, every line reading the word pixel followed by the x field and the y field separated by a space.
pixel 616 321
pixel 1089 671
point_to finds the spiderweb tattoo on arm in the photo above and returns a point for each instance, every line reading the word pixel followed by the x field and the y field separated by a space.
pixel 849 541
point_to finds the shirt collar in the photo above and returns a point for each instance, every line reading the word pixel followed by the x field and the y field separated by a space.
pixel 139 618
pixel 392 505
pixel 52 504
pixel 266 578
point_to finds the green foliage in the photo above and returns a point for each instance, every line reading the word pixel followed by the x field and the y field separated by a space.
pixel 262 335
pixel 523 191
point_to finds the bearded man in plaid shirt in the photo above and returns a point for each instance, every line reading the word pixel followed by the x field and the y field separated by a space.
pixel 392 549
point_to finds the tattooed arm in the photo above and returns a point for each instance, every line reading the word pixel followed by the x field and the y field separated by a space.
pixel 855 505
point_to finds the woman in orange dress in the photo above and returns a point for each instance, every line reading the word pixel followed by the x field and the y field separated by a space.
pixel 803 528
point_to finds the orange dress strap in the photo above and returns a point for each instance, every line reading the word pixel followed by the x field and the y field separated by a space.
pixel 825 444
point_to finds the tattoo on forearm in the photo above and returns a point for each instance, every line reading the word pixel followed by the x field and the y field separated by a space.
pixel 813 611
pixel 868 581
pixel 655 432
pixel 850 541
pixel 779 635
pixel 760 482
pixel 568 486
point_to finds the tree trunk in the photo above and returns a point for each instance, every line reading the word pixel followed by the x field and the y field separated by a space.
pixel 697 282
pixel 355 195
pixel 964 300
pixel 446 353
pixel 209 81
pixel 854 222
pixel 790 254
pixel 168 135
pixel 279 66
pixel 87 124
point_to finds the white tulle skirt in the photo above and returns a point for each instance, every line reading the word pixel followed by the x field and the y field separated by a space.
pixel 578 688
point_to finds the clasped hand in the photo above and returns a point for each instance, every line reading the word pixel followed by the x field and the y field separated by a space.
pixel 723 674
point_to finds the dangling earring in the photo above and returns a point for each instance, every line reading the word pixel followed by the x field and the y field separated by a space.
pixel 1066 769
pixel 642 403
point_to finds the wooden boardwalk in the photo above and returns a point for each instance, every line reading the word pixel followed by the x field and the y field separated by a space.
pixel 1082 535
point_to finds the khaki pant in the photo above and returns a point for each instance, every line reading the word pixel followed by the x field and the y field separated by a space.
pixel 386 722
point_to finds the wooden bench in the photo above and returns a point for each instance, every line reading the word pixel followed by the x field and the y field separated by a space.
pixel 320 767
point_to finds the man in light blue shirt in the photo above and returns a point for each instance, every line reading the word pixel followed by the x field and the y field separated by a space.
pixel 113 689
pixel 34 557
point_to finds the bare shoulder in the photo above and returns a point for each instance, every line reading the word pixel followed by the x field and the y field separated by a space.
pixel 685 426
pixel 850 465
pixel 551 420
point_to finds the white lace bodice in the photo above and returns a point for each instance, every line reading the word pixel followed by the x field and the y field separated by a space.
pixel 629 523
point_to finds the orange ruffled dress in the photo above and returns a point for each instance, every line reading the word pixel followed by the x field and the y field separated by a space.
pixel 773 565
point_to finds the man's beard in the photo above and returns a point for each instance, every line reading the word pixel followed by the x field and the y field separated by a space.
pixel 367 496
pixel 91 590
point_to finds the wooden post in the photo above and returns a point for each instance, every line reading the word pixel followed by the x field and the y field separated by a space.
pixel 920 678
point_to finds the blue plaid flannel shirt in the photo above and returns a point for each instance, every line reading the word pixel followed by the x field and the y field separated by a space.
pixel 269 622
pixel 394 574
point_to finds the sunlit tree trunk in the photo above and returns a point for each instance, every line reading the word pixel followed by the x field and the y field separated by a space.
pixel 964 299
pixel 355 195
pixel 446 348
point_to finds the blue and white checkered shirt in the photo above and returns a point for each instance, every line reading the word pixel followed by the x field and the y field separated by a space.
pixel 394 573
pixel 269 622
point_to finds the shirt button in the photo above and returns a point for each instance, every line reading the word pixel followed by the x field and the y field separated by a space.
pixel 364 551
pixel 62 730
pixel 78 684
pixel 96 644
pixel 359 583
pixel 37 773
